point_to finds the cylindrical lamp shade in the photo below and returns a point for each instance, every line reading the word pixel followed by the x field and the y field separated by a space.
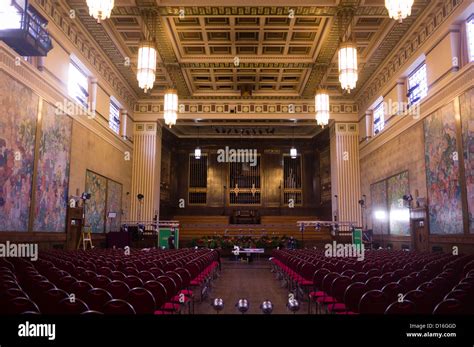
pixel 100 9
pixel 146 68
pixel 197 153
pixel 293 153
pixel 347 56
pixel 321 104
pixel 171 107
pixel 398 9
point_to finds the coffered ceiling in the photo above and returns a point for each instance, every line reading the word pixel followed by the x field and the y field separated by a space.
pixel 214 49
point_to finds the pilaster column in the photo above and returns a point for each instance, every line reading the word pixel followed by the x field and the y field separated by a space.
pixel 345 172
pixel 146 171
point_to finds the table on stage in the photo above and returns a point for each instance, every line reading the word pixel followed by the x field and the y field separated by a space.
pixel 248 252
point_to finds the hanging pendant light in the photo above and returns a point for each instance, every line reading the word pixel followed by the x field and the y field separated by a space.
pixel 348 74
pixel 321 105
pixel 100 9
pixel 197 150
pixel 146 67
pixel 293 150
pixel 171 107
pixel 293 153
pixel 399 9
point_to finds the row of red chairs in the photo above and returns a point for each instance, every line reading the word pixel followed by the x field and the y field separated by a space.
pixel 46 287
pixel 424 283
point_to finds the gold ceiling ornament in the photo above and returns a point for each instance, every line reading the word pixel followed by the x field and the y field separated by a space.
pixel 100 9
pixel 347 60
pixel 321 105
pixel 399 9
pixel 171 107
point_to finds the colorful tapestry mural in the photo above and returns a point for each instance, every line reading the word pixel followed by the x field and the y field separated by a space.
pixel 19 107
pixel 53 171
pixel 114 205
pixel 96 185
pixel 378 212
pixel 467 121
pixel 399 213
pixel 442 172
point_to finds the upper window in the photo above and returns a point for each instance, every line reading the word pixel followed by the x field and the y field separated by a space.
pixel 78 84
pixel 114 116
pixel 417 85
pixel 470 37
pixel 379 119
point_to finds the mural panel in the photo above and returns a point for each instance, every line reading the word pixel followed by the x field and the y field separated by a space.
pixel 96 185
pixel 442 172
pixel 53 171
pixel 19 107
pixel 378 197
pixel 399 214
pixel 114 205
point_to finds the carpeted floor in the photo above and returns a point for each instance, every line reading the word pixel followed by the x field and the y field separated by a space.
pixel 252 281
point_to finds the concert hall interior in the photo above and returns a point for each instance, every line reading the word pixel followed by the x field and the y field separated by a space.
pixel 308 157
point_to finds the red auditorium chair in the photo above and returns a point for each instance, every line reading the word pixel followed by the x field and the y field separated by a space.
pixel 156 271
pixel 326 286
pixel 80 289
pixel 118 289
pixel 422 301
pixel 374 273
pixel 41 287
pixel 373 302
pixel 348 273
pixel 449 306
pixel 66 306
pixel 317 283
pixel 338 289
pixel 374 283
pixel 435 292
pixel 118 306
pixel 408 282
pixel 117 276
pixel 468 287
pixel 171 292
pixel 20 305
pixel 101 281
pixel 133 281
pixel 66 282
pixel 392 290
pixel 352 296
pixel 359 277
pixel 130 271
pixel 159 292
pixel 48 300
pixel 92 313
pixel 11 293
pixel 142 300
pixel 403 307
pixel 97 297
pixel 466 299
pixel 146 276
pixel 104 271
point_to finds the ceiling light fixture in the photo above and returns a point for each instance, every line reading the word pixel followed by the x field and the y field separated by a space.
pixel 146 67
pixel 100 9
pixel 399 9
pixel 347 61
pixel 171 107
pixel 321 105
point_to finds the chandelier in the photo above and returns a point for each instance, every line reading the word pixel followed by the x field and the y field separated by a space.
pixel 321 105
pixel 100 9
pixel 171 107
pixel 146 65
pixel 347 56
pixel 399 9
